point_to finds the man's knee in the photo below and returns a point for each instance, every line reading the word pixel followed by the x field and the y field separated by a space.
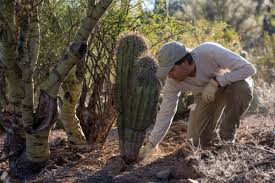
pixel 239 91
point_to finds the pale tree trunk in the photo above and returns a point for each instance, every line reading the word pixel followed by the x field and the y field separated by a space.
pixel 11 114
pixel 27 137
pixel 73 84
pixel 68 118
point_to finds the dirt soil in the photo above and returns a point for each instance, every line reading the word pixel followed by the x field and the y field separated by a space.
pixel 250 159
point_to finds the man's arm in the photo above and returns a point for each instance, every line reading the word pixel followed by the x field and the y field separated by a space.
pixel 171 93
pixel 240 68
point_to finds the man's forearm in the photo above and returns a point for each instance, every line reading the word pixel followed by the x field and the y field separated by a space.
pixel 166 113
pixel 159 131
pixel 236 75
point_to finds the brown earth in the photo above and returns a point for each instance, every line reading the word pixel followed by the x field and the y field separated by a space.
pixel 250 159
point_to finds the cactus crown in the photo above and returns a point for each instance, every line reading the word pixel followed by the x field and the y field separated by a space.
pixel 146 68
pixel 134 43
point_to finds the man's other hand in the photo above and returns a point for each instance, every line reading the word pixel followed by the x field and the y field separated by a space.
pixel 208 94
pixel 146 150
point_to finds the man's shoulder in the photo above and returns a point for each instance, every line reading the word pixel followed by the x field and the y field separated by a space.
pixel 207 45
pixel 206 48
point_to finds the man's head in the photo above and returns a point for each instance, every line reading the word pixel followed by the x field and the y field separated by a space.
pixel 175 62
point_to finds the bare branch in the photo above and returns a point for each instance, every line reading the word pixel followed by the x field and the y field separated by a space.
pixel 94 13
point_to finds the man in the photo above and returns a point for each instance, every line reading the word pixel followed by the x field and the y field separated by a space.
pixel 220 81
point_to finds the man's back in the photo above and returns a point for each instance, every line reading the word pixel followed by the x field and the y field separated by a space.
pixel 212 60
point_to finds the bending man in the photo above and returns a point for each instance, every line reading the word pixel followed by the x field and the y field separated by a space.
pixel 220 81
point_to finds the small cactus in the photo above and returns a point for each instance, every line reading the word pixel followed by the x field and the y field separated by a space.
pixel 137 93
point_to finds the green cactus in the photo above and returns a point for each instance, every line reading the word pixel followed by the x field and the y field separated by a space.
pixel 137 93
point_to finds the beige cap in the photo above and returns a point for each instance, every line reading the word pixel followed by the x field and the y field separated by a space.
pixel 169 54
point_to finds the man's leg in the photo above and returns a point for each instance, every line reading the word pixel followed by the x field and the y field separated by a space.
pixel 238 96
pixel 204 118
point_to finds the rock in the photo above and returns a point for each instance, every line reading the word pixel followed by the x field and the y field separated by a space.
pixel 183 181
pixel 50 180
pixel 186 152
pixel 99 179
pixel 178 181
pixel 164 174
pixel 58 142
pixel 5 178
pixel 125 179
pixel 186 168
pixel 192 181
pixel 115 165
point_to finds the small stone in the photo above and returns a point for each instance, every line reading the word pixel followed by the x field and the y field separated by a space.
pixel 192 181
pixel 164 174
pixel 177 181
pixel 183 181
pixel 51 180
pixel 186 168
pixel 4 176
pixel 125 179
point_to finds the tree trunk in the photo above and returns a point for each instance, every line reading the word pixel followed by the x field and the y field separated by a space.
pixel 33 159
pixel 69 120
pixel 27 134
pixel 11 114
pixel 74 81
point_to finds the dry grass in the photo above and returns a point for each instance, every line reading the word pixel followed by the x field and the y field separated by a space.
pixel 250 159
pixel 237 163
pixel 266 99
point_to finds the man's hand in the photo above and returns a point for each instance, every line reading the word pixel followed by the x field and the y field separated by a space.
pixel 146 150
pixel 208 93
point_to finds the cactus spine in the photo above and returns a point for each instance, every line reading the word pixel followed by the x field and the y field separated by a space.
pixel 137 93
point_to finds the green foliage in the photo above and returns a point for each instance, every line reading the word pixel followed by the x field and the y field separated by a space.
pixel 204 31
pixel 59 21
pixel 245 17
pixel 265 55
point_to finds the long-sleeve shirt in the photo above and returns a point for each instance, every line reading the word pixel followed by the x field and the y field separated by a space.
pixel 211 60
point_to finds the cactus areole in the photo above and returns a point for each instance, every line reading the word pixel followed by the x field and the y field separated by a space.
pixel 137 93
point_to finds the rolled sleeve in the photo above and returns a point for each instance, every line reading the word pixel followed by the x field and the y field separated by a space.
pixel 239 67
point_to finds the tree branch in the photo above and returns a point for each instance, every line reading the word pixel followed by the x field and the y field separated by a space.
pixel 7 22
pixel 74 55
pixel 94 13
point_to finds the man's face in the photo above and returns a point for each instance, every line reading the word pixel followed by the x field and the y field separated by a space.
pixel 180 72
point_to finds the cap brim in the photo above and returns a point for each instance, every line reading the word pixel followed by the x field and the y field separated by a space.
pixel 162 72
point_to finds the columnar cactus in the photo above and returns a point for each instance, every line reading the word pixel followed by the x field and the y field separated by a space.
pixel 137 93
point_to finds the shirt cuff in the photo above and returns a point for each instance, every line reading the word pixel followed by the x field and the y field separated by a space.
pixel 223 80
pixel 153 142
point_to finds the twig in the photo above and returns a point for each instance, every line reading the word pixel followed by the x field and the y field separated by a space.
pixel 262 163
pixel 9 156
pixel 271 151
